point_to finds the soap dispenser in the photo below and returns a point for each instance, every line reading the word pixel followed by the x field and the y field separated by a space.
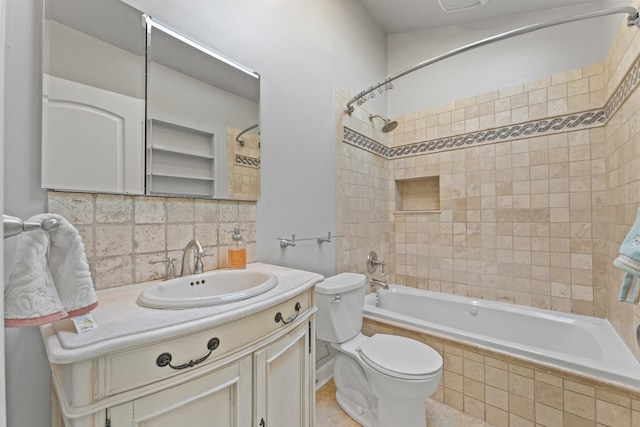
pixel 237 251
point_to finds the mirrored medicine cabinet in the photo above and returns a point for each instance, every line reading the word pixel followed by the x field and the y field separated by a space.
pixel 132 106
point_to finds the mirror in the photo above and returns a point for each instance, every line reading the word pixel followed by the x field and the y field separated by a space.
pixel 103 132
pixel 198 103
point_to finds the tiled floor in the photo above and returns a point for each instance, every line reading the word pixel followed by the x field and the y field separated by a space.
pixel 329 414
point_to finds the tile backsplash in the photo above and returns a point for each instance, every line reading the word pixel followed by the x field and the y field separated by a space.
pixel 126 238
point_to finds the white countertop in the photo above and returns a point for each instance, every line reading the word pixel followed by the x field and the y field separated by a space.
pixel 123 323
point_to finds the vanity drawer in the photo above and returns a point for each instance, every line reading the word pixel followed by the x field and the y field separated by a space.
pixel 138 367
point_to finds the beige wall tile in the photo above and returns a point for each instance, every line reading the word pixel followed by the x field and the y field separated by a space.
pixel 131 231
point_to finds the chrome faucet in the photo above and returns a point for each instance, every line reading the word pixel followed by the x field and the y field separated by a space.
pixel 376 282
pixel 186 258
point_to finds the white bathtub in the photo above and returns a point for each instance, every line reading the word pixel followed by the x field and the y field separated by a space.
pixel 585 345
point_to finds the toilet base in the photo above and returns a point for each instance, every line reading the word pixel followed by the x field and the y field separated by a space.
pixel 358 397
pixel 359 414
pixel 353 393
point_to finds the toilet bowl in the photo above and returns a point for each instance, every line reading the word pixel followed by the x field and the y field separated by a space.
pixel 383 380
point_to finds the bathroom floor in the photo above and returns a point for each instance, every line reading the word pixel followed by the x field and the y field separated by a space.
pixel 329 414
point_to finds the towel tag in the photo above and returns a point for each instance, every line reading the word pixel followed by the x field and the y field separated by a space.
pixel 84 323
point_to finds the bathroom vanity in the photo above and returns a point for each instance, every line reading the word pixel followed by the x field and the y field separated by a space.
pixel 245 363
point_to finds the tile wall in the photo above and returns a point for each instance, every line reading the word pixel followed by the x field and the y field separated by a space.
pixel 126 236
pixel 622 199
pixel 525 189
pixel 539 184
pixel 363 196
pixel 516 215
pixel 508 392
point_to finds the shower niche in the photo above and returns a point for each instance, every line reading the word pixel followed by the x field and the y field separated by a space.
pixel 418 194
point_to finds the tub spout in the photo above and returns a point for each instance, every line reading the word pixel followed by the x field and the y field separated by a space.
pixel 376 282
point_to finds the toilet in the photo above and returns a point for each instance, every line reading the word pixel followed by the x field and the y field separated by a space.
pixel 383 380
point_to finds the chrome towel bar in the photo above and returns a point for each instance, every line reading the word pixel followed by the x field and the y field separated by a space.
pixel 13 226
pixel 292 242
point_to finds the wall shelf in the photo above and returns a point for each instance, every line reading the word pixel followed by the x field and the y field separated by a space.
pixel 180 159
pixel 418 194
pixel 180 152
pixel 172 175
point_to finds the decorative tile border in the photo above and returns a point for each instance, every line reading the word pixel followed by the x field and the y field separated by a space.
pixel 529 129
pixel 357 139
pixel 626 86
pixel 250 162
pixel 583 120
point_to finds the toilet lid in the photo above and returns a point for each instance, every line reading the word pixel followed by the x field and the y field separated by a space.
pixel 400 356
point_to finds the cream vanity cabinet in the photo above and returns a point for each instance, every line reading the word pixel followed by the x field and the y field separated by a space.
pixel 256 371
pixel 224 397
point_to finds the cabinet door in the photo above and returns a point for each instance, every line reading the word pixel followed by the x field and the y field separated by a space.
pixel 219 399
pixel 282 380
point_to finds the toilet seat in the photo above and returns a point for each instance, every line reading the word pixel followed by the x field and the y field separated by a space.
pixel 400 357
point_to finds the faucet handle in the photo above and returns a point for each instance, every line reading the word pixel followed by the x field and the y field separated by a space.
pixel 373 262
pixel 170 268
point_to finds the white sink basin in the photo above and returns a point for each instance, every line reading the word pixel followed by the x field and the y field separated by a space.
pixel 210 288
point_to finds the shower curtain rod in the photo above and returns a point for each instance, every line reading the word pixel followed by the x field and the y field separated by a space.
pixel 633 20
pixel 241 141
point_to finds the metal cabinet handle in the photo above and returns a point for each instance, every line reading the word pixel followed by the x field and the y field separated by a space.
pixel 262 423
pixel 279 317
pixel 165 358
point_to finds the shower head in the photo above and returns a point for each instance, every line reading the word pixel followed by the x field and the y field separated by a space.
pixel 388 124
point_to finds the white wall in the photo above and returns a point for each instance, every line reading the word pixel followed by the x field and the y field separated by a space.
pixel 300 48
pixel 499 65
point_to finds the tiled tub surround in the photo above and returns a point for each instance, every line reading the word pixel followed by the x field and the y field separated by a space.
pixel 522 219
pixel 507 391
pixel 516 214
pixel 528 219
pixel 622 198
pixel 363 195
pixel 123 235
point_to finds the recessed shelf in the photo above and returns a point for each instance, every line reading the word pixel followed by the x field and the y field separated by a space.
pixel 420 195
pixel 175 175
pixel 181 159
pixel 180 152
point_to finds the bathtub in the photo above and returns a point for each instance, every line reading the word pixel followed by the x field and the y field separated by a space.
pixel 579 344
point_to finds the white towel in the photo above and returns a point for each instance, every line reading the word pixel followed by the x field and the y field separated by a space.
pixel 62 278
pixel 30 297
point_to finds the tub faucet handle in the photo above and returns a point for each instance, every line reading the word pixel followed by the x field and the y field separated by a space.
pixel 373 262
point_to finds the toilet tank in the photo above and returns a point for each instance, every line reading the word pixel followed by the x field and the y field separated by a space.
pixel 340 301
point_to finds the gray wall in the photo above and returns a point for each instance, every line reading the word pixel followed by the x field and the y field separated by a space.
pixel 495 66
pixel 3 399
pixel 300 48
pixel 27 372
